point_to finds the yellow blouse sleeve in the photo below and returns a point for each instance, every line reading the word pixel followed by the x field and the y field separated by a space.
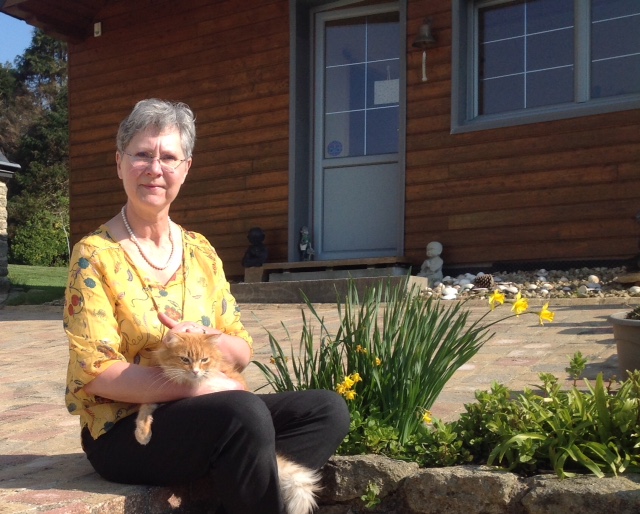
pixel 90 324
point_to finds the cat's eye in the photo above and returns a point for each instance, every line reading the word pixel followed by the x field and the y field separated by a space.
pixel 185 360
pixel 205 360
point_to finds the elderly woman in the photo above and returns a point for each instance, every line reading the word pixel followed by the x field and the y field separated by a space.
pixel 131 281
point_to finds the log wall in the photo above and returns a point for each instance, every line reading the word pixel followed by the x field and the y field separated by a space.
pixel 562 190
pixel 565 190
pixel 230 62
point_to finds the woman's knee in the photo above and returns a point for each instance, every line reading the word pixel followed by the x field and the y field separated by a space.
pixel 333 409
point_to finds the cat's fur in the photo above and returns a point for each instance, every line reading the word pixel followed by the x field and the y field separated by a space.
pixel 187 357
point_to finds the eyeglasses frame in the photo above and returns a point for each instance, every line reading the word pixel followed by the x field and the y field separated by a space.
pixel 152 159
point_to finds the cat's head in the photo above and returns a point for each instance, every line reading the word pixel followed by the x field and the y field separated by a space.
pixel 189 357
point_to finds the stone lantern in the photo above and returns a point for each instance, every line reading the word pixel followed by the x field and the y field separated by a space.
pixel 7 169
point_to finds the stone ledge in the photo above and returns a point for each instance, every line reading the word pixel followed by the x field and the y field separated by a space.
pixel 404 489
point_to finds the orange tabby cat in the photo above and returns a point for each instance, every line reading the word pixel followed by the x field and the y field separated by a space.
pixel 187 357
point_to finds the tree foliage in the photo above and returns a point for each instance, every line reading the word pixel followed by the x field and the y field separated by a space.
pixel 34 133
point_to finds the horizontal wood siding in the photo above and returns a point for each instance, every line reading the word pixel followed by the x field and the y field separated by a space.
pixel 563 190
pixel 229 61
pixel 566 190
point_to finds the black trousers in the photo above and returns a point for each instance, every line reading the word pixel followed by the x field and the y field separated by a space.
pixel 231 436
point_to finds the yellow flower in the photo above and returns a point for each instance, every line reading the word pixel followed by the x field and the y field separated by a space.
pixel 496 298
pixel 378 361
pixel 360 349
pixel 356 378
pixel 341 389
pixel 348 382
pixel 426 417
pixel 521 305
pixel 350 395
pixel 546 314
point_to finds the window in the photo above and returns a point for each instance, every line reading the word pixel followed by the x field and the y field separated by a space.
pixel 526 61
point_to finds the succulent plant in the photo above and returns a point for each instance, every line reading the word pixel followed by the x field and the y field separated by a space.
pixel 635 313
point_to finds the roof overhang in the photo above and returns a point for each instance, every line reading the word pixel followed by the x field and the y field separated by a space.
pixel 7 168
pixel 67 20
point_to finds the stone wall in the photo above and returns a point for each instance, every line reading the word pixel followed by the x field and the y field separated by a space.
pixel 4 247
pixel 406 489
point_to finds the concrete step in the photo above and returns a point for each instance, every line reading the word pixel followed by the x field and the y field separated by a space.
pixel 317 291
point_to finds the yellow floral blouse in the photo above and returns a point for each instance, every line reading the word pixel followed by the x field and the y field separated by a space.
pixel 111 309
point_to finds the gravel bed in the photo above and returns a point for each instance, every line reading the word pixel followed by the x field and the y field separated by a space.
pixel 544 284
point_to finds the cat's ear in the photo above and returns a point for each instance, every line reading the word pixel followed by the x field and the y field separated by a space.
pixel 171 339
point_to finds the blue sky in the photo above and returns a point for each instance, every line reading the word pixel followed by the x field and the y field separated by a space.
pixel 15 37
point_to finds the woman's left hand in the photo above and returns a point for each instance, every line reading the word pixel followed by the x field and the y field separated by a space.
pixel 185 326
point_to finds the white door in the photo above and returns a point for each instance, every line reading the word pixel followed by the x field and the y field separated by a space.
pixel 358 180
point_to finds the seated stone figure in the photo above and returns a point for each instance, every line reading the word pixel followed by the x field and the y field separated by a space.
pixel 256 255
pixel 432 267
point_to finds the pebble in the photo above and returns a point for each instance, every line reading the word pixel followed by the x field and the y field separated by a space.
pixel 585 282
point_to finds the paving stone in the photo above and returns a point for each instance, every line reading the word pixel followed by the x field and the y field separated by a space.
pixel 42 465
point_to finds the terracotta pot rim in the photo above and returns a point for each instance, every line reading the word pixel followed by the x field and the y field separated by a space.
pixel 620 318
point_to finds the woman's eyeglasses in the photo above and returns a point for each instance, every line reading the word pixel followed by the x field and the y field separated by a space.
pixel 142 161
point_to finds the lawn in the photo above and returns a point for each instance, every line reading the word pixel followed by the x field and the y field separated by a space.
pixel 39 284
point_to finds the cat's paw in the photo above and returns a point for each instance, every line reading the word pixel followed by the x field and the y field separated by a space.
pixel 143 433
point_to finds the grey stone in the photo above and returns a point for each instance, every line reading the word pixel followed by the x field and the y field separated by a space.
pixel 347 478
pixel 584 494
pixel 462 490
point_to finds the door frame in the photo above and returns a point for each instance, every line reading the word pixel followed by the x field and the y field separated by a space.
pixel 301 112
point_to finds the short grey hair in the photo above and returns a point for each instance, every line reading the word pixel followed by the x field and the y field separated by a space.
pixel 162 115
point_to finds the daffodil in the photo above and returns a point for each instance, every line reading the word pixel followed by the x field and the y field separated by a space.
pixel 546 314
pixel 496 298
pixel 520 305
pixel 348 382
pixel 378 361
pixel 360 349
pixel 356 378
pixel 350 395
pixel 426 417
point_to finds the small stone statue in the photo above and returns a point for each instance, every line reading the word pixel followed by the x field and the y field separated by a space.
pixel 256 254
pixel 306 251
pixel 432 267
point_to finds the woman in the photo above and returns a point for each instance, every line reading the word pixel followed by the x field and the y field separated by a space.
pixel 132 280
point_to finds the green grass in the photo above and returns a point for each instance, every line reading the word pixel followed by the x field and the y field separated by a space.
pixel 40 284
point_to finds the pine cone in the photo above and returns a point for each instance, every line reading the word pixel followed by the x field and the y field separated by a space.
pixel 484 282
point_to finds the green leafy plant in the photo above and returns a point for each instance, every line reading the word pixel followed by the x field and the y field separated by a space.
pixel 634 314
pixel 597 430
pixel 371 498
pixel 392 355
pixel 576 368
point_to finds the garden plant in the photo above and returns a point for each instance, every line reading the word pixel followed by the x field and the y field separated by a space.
pixel 392 355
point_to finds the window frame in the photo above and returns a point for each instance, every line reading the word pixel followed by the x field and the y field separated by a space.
pixel 464 76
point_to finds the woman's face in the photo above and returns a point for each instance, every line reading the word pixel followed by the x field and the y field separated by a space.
pixel 149 186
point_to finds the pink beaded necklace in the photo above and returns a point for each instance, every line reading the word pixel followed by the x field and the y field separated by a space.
pixel 134 240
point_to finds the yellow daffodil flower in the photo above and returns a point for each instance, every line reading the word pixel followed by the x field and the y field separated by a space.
pixel 497 298
pixel 360 349
pixel 426 417
pixel 348 382
pixel 546 314
pixel 378 361
pixel 356 378
pixel 520 305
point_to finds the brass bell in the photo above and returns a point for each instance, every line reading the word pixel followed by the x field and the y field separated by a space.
pixel 425 37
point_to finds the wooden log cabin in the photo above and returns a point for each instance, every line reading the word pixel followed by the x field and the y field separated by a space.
pixel 521 146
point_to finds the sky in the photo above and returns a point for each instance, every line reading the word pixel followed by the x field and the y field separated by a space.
pixel 15 37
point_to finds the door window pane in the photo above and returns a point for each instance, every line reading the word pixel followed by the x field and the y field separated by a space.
pixel 382 130
pixel 362 72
